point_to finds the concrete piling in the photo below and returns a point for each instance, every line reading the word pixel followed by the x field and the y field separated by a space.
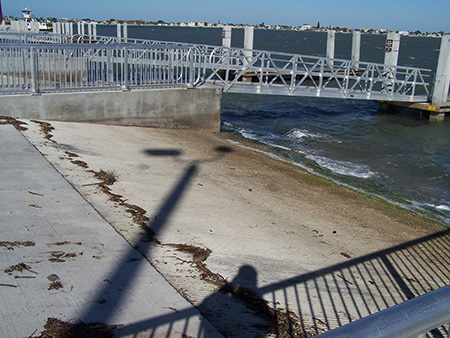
pixel 226 36
pixel 356 48
pixel 442 82
pixel 248 42
pixel 331 40
pixel 392 48
pixel 119 32
pixel 122 32
pixel 249 32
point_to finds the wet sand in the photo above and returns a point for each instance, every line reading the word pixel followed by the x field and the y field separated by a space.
pixel 231 227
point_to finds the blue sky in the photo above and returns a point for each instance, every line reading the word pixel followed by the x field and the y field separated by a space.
pixel 431 15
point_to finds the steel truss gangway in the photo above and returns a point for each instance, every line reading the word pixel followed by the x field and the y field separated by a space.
pixel 234 70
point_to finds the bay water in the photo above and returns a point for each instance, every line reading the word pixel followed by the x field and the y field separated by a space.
pixel 399 158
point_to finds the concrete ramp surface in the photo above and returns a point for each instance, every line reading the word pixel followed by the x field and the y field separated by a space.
pixel 60 259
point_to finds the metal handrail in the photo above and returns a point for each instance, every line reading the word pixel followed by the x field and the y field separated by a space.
pixel 413 318
pixel 37 68
pixel 39 38
pixel 296 74
pixel 265 72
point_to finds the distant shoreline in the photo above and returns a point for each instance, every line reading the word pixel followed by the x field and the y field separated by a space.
pixel 192 24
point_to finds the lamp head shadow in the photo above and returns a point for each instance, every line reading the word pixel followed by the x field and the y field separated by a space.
pixel 163 152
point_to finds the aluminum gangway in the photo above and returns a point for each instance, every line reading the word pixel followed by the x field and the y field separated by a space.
pixel 38 63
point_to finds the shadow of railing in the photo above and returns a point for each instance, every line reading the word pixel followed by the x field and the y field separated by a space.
pixel 331 297
pixel 334 296
pixel 319 300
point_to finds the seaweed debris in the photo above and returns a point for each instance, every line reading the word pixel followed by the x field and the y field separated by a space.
pixel 46 129
pixel 80 163
pixel 56 328
pixel 21 267
pixel 12 245
pixel 107 179
pixel 284 324
pixel 16 123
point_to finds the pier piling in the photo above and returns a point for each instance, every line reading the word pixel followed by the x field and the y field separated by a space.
pixel 392 48
pixel 331 39
pixel 442 81
pixel 122 32
pixel 356 48
pixel 226 36
pixel 248 37
pixel 248 42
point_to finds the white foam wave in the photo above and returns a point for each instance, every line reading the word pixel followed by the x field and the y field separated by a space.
pixel 252 136
pixel 412 206
pixel 244 132
pixel 441 207
pixel 228 124
pixel 343 167
pixel 249 135
pixel 273 145
pixel 304 134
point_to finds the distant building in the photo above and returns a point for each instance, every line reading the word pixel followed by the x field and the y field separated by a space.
pixel 305 27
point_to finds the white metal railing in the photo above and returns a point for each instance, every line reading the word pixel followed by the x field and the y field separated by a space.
pixel 46 68
pixel 47 38
pixel 414 318
pixel 264 72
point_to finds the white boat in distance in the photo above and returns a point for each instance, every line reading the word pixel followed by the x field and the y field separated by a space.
pixel 26 12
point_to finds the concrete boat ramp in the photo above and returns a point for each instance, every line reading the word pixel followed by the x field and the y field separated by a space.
pixel 60 259
pixel 258 246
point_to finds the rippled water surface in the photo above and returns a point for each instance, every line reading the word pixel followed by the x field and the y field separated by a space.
pixel 397 157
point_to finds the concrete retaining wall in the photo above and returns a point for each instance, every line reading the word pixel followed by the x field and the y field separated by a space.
pixel 197 109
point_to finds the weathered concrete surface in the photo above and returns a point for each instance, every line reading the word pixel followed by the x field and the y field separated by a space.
pixel 197 109
pixel 59 258
pixel 223 214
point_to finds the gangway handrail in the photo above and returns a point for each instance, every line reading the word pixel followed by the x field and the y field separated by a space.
pixel 413 318
pixel 41 68
pixel 265 72
pixel 395 89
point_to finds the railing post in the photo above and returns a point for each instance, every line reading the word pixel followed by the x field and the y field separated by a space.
pixel 34 70
pixel 109 66
pixel 191 68
pixel 125 69
pixel 171 66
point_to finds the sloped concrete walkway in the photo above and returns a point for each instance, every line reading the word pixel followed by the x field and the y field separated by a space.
pixel 59 258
